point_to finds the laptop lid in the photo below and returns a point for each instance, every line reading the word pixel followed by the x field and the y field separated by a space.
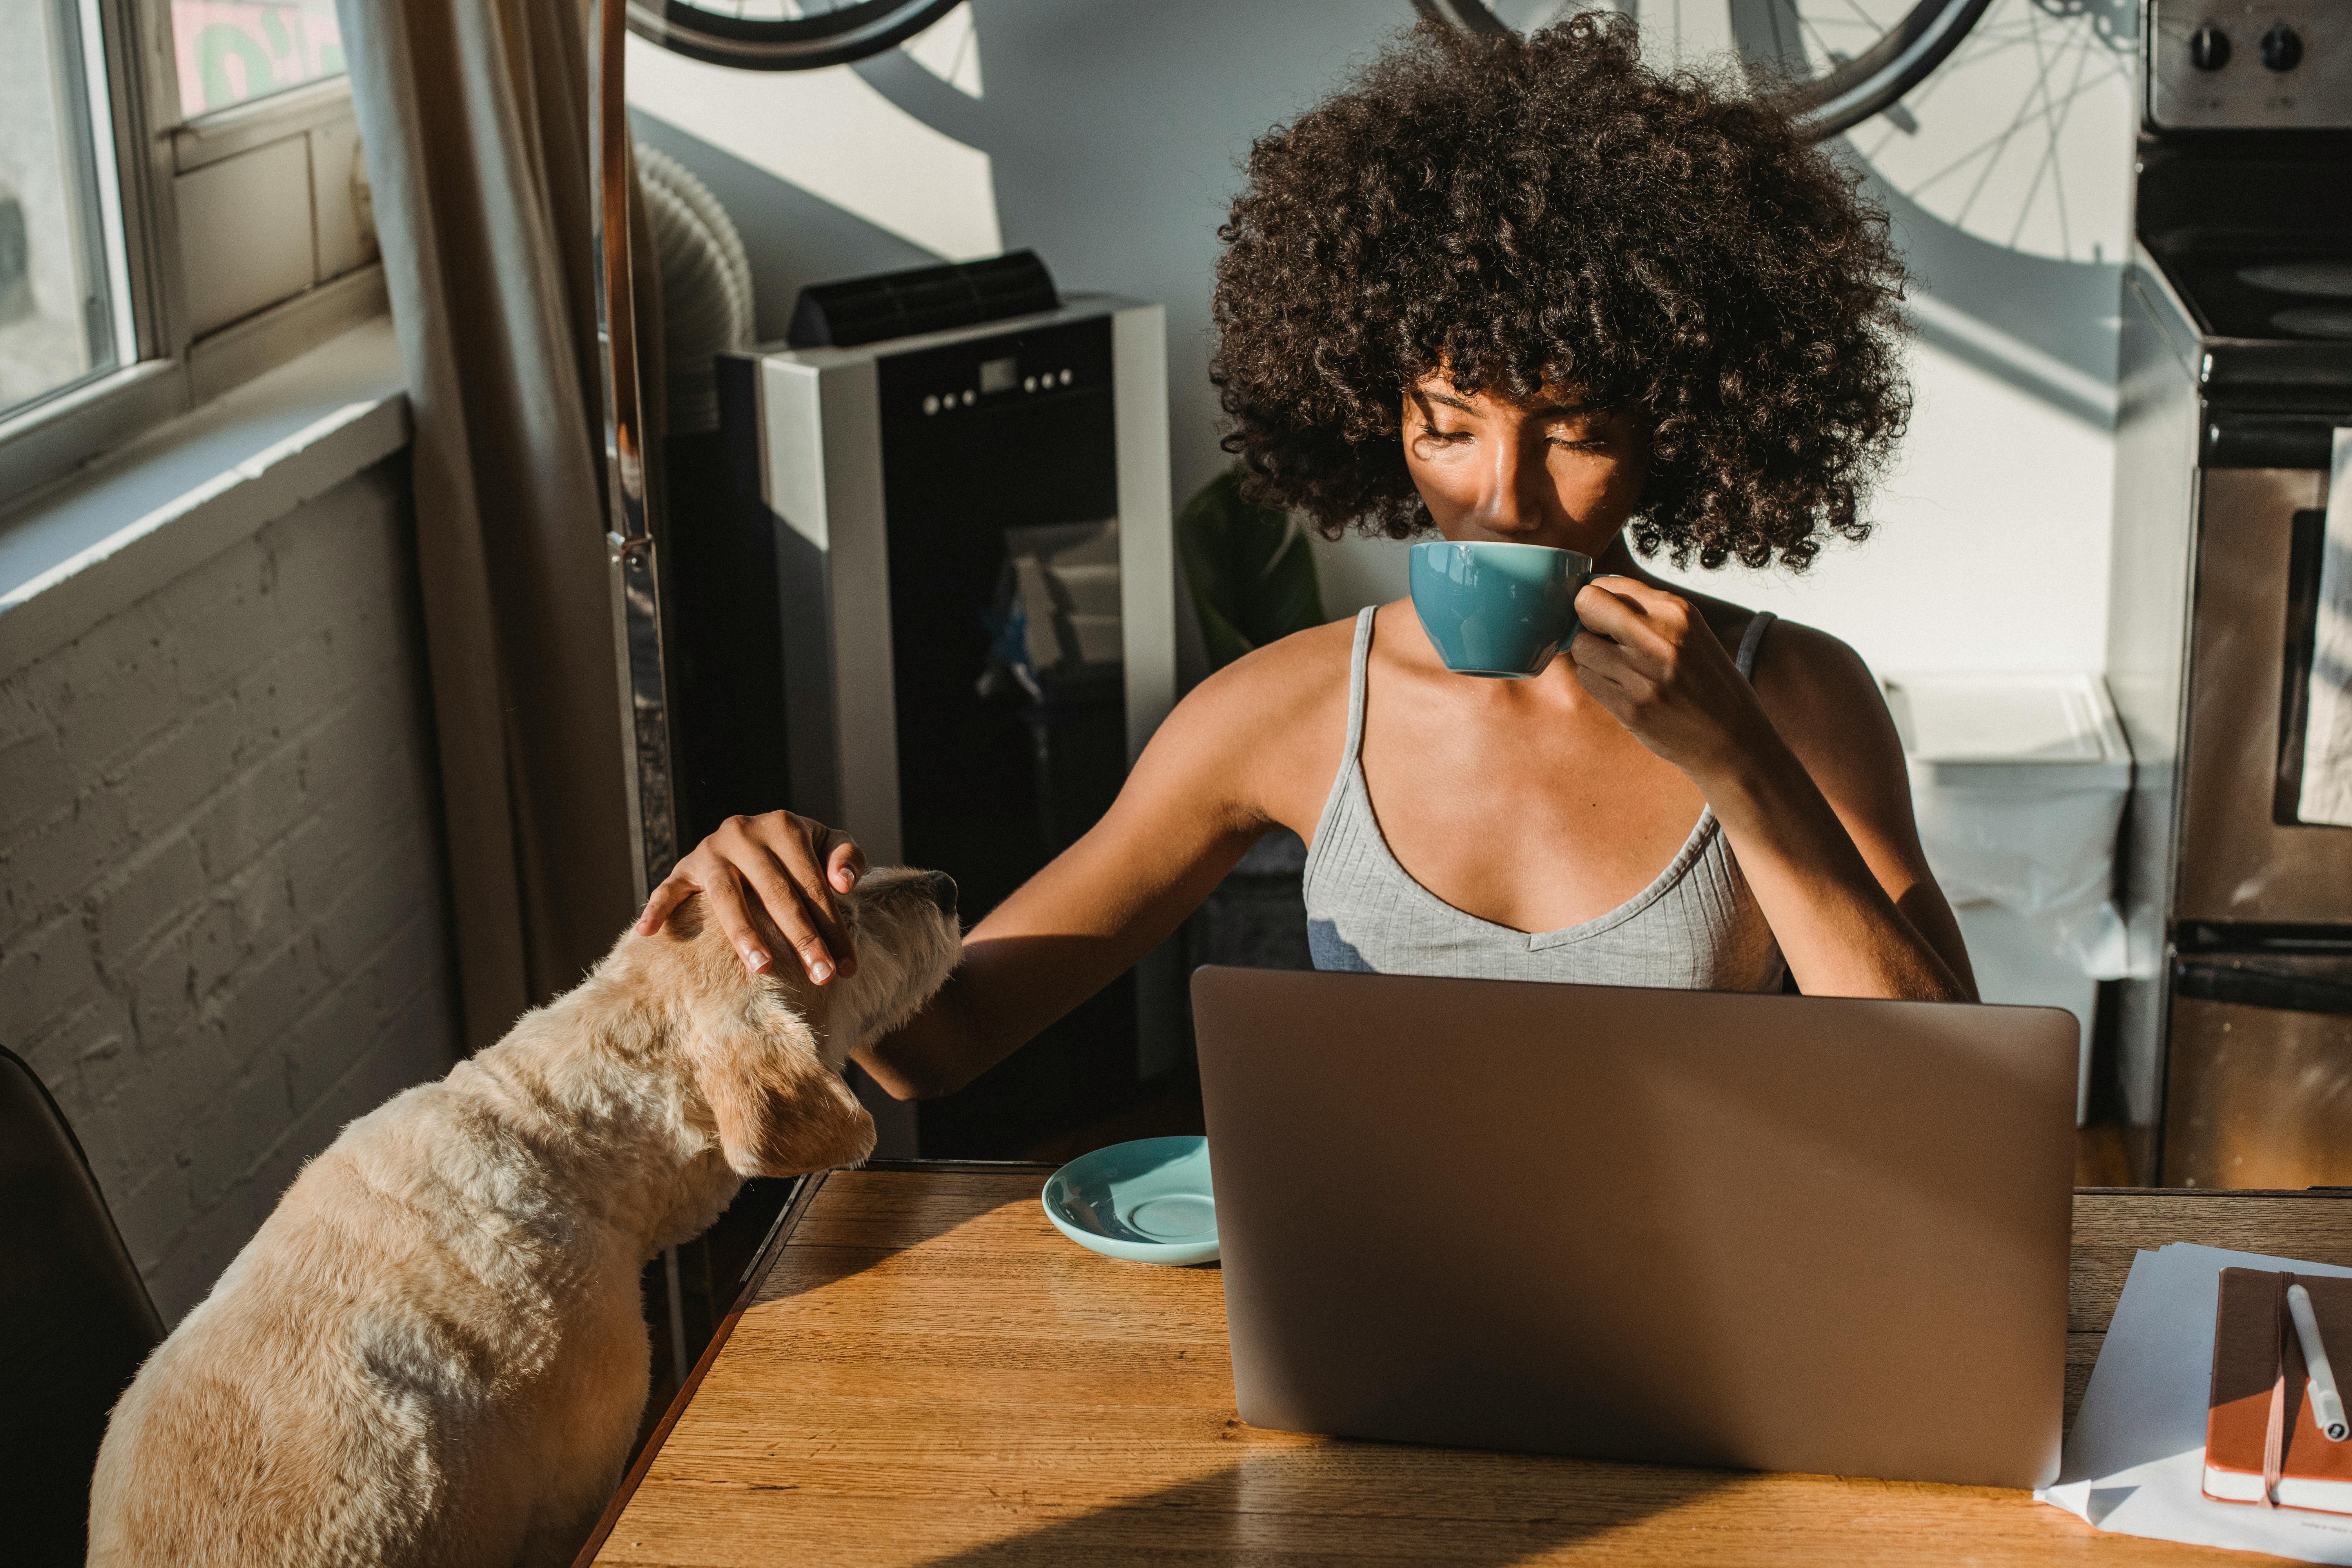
pixel 1773 1231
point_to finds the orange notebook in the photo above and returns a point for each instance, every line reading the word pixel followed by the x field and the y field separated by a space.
pixel 2258 1422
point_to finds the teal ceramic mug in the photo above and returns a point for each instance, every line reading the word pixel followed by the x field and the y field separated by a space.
pixel 1497 610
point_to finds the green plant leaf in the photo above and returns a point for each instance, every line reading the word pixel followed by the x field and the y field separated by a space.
pixel 1250 569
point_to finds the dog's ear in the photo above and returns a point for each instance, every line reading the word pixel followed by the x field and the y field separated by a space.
pixel 781 1111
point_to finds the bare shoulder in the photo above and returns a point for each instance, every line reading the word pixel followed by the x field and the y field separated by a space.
pixel 1810 664
pixel 1825 702
pixel 1261 726
pixel 1270 689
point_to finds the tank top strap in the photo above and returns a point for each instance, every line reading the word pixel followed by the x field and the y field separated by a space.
pixel 1745 659
pixel 1358 662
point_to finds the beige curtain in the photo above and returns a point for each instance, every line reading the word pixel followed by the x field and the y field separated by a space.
pixel 475 115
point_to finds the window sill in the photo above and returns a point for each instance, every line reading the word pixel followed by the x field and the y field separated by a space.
pixel 114 534
pixel 241 127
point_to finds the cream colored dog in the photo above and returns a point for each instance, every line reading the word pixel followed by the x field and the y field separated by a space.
pixel 433 1351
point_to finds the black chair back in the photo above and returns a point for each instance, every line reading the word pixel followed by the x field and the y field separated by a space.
pixel 75 1322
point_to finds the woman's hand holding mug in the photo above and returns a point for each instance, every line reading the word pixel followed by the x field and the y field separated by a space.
pixel 1650 658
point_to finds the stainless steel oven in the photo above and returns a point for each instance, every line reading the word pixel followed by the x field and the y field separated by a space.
pixel 2234 1048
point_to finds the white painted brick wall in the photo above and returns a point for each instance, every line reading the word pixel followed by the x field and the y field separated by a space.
pixel 223 912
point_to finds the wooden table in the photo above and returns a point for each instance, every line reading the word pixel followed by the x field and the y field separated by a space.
pixel 923 1371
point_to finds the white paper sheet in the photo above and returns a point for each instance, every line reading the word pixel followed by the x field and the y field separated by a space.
pixel 2326 794
pixel 2135 1460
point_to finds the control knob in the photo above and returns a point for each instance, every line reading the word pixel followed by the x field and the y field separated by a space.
pixel 2282 48
pixel 2209 48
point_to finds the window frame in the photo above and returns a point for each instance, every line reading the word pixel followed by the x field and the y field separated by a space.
pixel 168 368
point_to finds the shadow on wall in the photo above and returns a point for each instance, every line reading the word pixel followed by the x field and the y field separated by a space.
pixel 1114 132
pixel 793 238
pixel 1110 137
pixel 2046 328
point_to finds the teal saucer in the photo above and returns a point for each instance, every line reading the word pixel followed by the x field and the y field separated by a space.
pixel 1147 1202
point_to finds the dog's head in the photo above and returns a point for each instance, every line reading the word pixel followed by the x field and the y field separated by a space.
pixel 766 1051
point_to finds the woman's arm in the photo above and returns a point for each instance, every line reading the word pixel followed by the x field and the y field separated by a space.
pixel 1226 765
pixel 1805 773
pixel 1070 929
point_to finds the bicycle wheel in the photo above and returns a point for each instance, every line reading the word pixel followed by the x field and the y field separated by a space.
pixel 782 35
pixel 1834 62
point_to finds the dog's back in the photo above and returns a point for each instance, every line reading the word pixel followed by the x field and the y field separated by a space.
pixel 383 1377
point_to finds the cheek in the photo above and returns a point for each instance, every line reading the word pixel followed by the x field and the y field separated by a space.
pixel 1444 488
pixel 1603 488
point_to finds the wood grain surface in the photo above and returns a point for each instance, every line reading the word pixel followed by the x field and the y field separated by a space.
pixel 928 1373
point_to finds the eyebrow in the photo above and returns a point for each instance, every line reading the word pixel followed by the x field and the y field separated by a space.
pixel 1549 410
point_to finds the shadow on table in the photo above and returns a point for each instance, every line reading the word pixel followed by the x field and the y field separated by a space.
pixel 1361 1502
pixel 847 1234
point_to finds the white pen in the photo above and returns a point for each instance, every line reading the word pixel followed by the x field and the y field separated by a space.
pixel 2327 1404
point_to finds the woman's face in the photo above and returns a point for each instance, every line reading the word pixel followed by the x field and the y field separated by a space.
pixel 1546 471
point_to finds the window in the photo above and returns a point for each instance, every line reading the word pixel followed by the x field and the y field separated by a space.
pixel 57 291
pixel 173 220
pixel 228 52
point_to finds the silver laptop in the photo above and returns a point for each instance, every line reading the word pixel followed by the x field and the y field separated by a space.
pixel 1773 1232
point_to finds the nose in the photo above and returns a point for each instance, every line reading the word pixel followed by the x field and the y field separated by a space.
pixel 1514 488
pixel 942 888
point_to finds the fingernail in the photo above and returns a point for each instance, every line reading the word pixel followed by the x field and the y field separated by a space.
pixel 820 972
pixel 755 960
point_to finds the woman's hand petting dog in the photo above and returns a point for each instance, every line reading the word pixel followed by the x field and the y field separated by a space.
pixel 768 874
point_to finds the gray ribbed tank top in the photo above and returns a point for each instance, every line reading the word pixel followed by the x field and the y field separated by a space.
pixel 1696 926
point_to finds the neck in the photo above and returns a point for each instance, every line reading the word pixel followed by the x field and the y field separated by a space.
pixel 592 1087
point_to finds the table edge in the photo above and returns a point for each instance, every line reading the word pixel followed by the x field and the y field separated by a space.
pixel 754 1274
pixel 2213 1192
pixel 795 1207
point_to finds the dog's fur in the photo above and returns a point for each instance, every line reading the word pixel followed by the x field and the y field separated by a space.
pixel 433 1351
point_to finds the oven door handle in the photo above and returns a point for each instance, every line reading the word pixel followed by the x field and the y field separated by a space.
pixel 2260 988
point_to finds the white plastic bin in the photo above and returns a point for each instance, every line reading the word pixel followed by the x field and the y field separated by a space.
pixel 2018 782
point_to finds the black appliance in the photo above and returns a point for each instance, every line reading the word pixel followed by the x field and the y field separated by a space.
pixel 910 521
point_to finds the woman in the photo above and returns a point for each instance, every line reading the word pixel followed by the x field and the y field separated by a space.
pixel 1521 290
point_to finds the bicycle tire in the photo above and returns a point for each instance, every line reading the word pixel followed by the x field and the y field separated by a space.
pixel 783 44
pixel 1871 82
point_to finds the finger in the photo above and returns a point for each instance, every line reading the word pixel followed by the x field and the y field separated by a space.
pixel 1604 668
pixel 1620 690
pixel 1654 623
pixel 1668 616
pixel 803 856
pixel 776 853
pixel 724 895
pixel 1636 592
pixel 807 921
pixel 846 865
pixel 1602 608
pixel 1617 644
pixel 1591 651
pixel 674 890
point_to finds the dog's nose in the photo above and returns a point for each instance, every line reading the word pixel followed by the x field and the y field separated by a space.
pixel 942 888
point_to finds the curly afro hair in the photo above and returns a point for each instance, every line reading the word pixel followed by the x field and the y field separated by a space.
pixel 1524 211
